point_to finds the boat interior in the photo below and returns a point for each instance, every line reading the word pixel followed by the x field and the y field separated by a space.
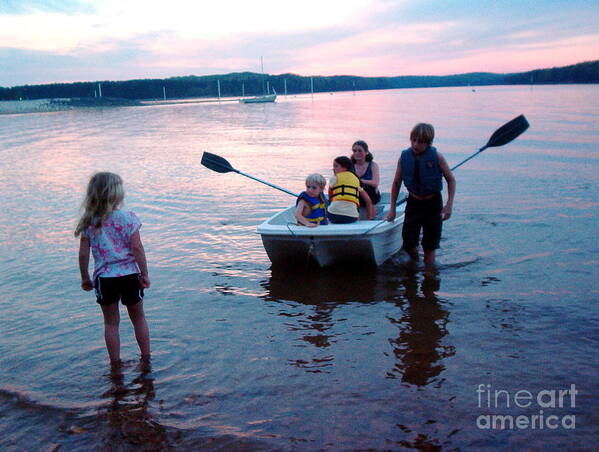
pixel 287 216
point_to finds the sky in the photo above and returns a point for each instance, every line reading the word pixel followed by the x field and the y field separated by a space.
pixel 49 41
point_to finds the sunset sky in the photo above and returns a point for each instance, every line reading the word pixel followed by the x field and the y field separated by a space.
pixel 46 41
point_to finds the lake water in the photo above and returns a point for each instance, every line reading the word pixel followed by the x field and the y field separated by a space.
pixel 247 357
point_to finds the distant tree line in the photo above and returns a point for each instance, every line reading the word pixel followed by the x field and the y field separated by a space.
pixel 577 73
pixel 232 85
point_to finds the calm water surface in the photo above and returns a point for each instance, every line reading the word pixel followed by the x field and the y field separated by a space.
pixel 249 357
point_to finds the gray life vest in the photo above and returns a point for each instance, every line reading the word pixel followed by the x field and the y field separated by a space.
pixel 428 180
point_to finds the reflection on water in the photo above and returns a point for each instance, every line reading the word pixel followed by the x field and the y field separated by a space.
pixel 128 415
pixel 323 291
pixel 420 347
pixel 313 286
pixel 123 418
pixel 421 318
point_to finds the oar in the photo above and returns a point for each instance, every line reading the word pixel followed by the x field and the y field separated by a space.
pixel 220 165
pixel 506 133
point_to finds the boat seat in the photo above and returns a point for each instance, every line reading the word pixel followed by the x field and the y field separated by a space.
pixel 379 212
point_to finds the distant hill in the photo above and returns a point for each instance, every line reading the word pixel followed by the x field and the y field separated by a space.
pixel 578 73
pixel 232 85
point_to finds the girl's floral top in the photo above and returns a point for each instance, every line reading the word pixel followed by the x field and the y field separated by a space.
pixel 111 245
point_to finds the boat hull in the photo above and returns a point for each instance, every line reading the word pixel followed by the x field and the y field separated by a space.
pixel 367 242
pixel 259 99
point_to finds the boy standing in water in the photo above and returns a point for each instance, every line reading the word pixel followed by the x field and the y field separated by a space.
pixel 421 167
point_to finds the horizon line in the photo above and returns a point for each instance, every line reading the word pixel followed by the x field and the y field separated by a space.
pixel 298 75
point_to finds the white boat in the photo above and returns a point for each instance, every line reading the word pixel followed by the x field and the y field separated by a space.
pixel 370 242
pixel 258 99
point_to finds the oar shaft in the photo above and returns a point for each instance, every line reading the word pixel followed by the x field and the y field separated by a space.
pixel 266 183
pixel 471 157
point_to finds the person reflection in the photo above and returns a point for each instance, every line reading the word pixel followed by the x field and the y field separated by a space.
pixel 419 348
pixel 129 420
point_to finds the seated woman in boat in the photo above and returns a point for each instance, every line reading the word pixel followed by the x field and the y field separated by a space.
pixel 311 205
pixel 367 170
pixel 345 192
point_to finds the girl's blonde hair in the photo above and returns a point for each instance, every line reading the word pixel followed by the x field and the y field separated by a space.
pixel 105 193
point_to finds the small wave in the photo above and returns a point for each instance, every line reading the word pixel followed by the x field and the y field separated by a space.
pixel 527 258
pixel 460 264
pixel 29 399
pixel 401 260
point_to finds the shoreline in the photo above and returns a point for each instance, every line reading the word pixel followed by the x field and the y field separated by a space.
pixel 15 107
pixel 49 105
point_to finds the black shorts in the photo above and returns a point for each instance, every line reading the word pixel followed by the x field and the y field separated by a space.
pixel 124 288
pixel 373 193
pixel 425 215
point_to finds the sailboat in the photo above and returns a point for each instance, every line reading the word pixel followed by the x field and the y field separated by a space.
pixel 260 99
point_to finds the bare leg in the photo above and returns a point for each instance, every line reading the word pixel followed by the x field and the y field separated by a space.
pixel 429 258
pixel 413 253
pixel 142 333
pixel 111 331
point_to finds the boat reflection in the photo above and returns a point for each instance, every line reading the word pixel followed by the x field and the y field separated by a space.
pixel 421 316
pixel 328 287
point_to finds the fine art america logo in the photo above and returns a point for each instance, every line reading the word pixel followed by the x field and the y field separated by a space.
pixel 549 406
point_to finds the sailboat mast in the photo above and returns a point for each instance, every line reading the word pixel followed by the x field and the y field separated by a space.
pixel 262 72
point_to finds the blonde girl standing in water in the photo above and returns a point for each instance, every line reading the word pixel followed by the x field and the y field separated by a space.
pixel 120 268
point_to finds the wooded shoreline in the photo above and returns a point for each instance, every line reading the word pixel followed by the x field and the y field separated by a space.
pixel 250 84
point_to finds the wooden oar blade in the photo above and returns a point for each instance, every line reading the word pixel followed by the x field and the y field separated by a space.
pixel 508 132
pixel 216 163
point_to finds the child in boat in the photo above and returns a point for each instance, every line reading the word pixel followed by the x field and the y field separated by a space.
pixel 367 170
pixel 421 168
pixel 311 205
pixel 120 270
pixel 345 192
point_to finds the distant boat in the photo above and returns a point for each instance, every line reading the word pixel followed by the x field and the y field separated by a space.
pixel 259 99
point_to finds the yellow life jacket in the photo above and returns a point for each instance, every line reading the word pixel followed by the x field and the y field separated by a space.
pixel 346 188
